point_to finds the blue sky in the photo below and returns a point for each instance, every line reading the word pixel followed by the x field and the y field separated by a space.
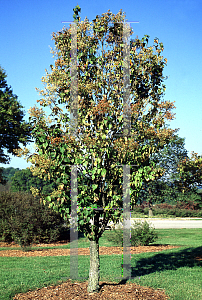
pixel 25 38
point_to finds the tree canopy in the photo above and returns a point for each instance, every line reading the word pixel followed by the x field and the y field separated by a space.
pixel 23 180
pixel 8 173
pixel 166 187
pixel 13 130
pixel 190 171
pixel 93 126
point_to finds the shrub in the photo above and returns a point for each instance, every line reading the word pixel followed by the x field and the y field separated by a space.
pixel 171 212
pixel 160 211
pixel 181 209
pixel 185 213
pixel 144 204
pixel 141 234
pixel 165 206
pixel 6 212
pixel 199 214
pixel 191 205
pixel 28 221
pixel 138 209
pixel 5 232
pixel 146 210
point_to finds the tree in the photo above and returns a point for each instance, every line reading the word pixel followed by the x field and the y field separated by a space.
pixel 5 176
pixel 8 173
pixel 100 141
pixel 169 157
pixel 13 130
pixel 23 180
pixel 190 171
pixel 164 188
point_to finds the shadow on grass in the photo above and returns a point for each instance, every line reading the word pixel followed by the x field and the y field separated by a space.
pixel 162 262
pixel 167 261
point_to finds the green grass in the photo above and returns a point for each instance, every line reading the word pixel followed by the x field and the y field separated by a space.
pixel 173 270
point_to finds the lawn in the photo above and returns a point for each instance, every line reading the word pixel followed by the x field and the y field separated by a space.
pixel 174 270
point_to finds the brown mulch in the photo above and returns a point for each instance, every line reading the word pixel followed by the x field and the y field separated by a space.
pixel 108 291
pixel 78 291
pixel 81 251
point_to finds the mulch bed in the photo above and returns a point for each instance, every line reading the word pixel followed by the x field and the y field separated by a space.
pixel 108 291
pixel 81 251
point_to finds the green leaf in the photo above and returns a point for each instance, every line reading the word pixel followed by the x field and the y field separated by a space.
pixel 85 164
pixel 81 222
pixel 45 145
pixel 53 154
pixel 62 150
pixel 94 186
pixel 103 173
pixel 120 118
pixel 88 219
pixel 94 170
pixel 67 210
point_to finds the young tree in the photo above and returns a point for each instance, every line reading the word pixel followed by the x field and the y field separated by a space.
pixel 99 142
pixel 13 130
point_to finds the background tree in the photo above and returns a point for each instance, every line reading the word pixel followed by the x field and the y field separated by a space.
pixel 9 172
pixel 169 157
pixel 199 192
pixel 13 130
pixel 99 145
pixel 190 173
pixel 164 189
pixel 23 180
pixel 5 177
pixel 188 181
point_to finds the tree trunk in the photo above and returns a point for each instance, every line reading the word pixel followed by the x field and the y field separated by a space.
pixel 93 281
pixel 150 205
pixel 150 212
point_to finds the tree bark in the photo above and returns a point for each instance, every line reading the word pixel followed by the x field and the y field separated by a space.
pixel 150 210
pixel 150 205
pixel 93 281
